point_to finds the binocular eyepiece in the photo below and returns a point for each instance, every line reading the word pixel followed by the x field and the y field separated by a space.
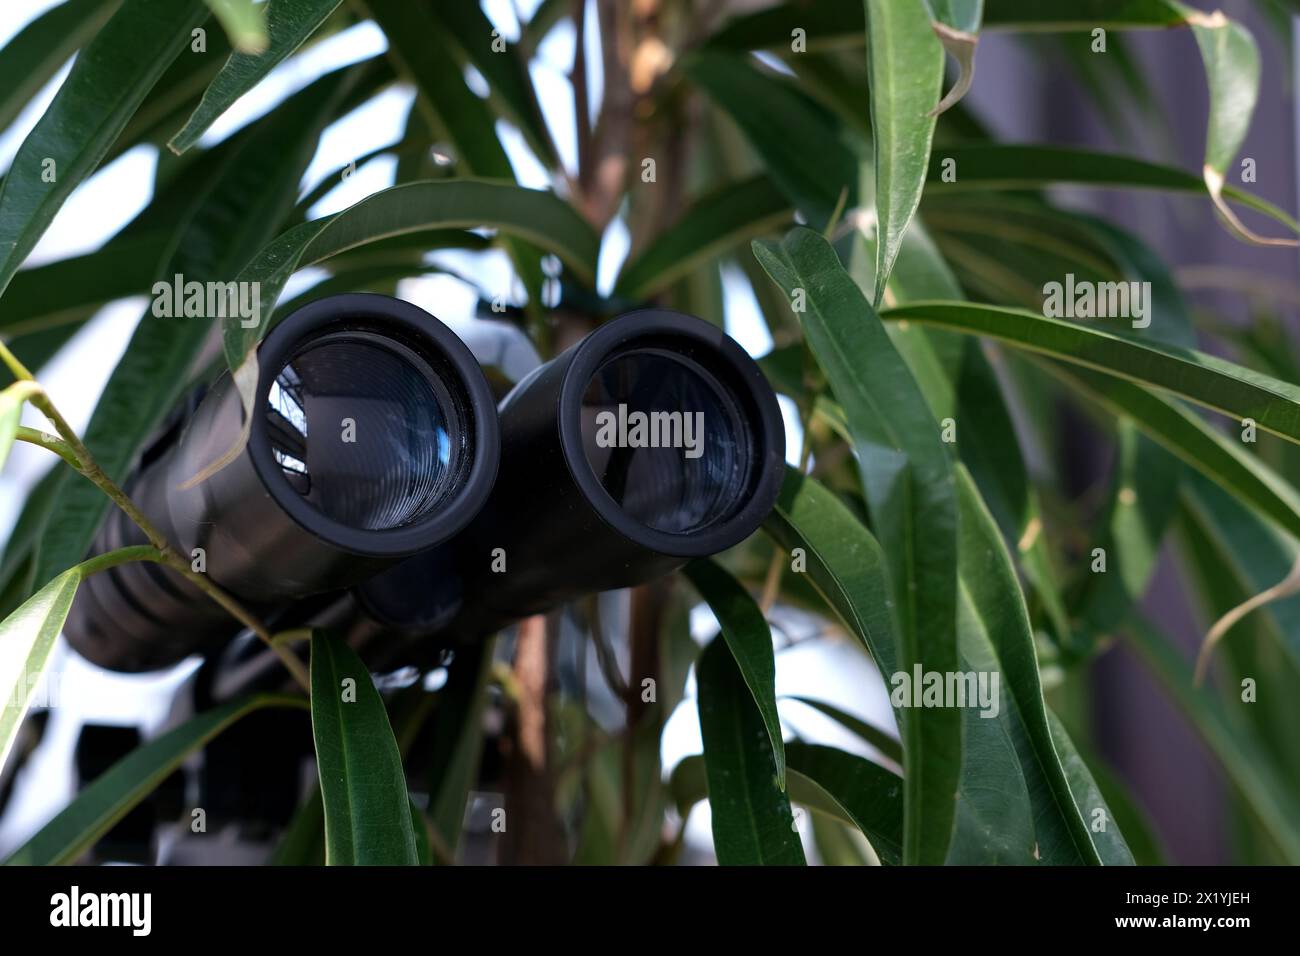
pixel 378 465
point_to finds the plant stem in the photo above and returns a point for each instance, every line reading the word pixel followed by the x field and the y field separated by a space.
pixel 84 462
pixel 51 442
pixel 241 614
pixel 102 562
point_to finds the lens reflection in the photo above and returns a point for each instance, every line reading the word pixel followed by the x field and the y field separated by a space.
pixel 364 430
pixel 665 440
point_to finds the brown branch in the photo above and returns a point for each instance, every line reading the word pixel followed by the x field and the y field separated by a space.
pixel 533 834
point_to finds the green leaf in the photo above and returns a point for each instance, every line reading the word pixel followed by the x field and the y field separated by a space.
pixel 906 64
pixel 67 291
pixel 510 89
pixel 418 42
pixel 11 412
pixel 1013 166
pixel 244 22
pixel 234 214
pixel 868 795
pixel 1238 751
pixel 1232 70
pixel 539 217
pixel 845 564
pixel 996 612
pixel 107 83
pixel 798 140
pixel 955 375
pixel 908 484
pixel 1111 847
pixel 752 820
pixel 26 639
pixel 119 789
pixel 33 57
pixel 288 24
pixel 367 809
pixel 749 638
pixel 1208 381
pixel 714 225
pixel 27 636
pixel 1081 14
pixel 833 783
pixel 882 741
pixel 18 569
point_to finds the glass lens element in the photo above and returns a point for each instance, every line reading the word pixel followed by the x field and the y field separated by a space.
pixel 364 430
pixel 665 440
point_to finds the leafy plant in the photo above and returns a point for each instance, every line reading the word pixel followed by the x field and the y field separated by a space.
pixel 896 252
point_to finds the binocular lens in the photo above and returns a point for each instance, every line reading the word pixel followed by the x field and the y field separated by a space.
pixel 665 440
pixel 376 439
pixel 364 430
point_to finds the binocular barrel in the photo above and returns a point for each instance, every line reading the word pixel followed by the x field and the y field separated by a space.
pixel 654 440
pixel 373 438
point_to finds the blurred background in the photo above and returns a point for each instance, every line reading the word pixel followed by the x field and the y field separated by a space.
pixel 1020 92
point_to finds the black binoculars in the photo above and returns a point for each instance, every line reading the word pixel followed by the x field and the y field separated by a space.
pixel 380 477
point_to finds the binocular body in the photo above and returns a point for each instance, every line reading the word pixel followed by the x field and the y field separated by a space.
pixel 378 468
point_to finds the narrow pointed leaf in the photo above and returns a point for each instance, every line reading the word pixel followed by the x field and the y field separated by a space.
pixel 989 584
pixel 27 636
pixel 11 412
pixel 845 563
pixel 804 151
pixel 749 638
pixel 984 166
pixel 1112 849
pixel 882 741
pixel 1204 379
pixel 752 820
pixel 418 42
pixel 906 62
pixel 288 24
pixel 367 809
pixel 869 795
pixel 510 89
pixel 908 485
pixel 33 57
pixel 107 83
pixel 26 639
